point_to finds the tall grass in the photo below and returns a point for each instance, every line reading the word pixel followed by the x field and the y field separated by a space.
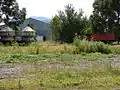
pixel 37 48
pixel 77 47
pixel 91 46
pixel 116 49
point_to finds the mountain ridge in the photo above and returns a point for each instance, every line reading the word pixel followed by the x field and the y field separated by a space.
pixel 43 19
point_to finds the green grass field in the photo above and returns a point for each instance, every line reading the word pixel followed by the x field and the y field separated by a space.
pixel 53 66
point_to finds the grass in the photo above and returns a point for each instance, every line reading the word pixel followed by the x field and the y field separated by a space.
pixel 65 78
pixel 37 48
pixel 54 66
pixel 78 47
pixel 116 49
pixel 60 71
pixel 22 58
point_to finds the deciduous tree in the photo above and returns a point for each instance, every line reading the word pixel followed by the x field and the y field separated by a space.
pixel 105 17
pixel 68 23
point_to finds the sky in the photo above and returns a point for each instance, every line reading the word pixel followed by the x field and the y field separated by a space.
pixel 48 8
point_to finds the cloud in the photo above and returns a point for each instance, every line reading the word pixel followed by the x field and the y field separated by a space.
pixel 48 8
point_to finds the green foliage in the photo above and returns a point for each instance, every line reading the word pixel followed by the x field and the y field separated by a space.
pixel 36 48
pixel 22 58
pixel 116 49
pixel 57 28
pixel 91 46
pixel 79 45
pixel 10 8
pixel 68 23
pixel 105 18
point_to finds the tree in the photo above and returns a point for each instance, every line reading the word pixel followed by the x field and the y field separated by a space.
pixel 67 24
pixel 13 16
pixel 105 17
pixel 87 26
pixel 56 25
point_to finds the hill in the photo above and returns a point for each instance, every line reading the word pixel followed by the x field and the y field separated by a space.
pixel 43 19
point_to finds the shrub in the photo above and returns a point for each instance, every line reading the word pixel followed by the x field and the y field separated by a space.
pixel 91 46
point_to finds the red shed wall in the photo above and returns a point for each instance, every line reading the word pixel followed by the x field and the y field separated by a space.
pixel 103 37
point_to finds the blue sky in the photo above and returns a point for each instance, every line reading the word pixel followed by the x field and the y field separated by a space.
pixel 48 8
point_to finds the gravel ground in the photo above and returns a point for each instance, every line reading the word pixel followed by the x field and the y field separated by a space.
pixel 12 71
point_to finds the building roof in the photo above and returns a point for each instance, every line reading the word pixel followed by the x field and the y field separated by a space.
pixel 6 28
pixel 28 29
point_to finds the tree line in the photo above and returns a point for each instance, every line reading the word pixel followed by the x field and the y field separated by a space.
pixel 69 23
pixel 105 19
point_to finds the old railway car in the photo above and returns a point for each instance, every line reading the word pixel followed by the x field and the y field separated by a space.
pixel 104 37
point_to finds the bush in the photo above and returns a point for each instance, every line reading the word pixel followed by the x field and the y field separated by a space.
pixel 91 46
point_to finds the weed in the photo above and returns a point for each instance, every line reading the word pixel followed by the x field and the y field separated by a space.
pixel 91 47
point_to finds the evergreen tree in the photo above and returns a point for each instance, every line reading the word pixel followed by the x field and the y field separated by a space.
pixel 11 14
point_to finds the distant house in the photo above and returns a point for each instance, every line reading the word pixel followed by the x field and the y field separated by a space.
pixel 43 31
